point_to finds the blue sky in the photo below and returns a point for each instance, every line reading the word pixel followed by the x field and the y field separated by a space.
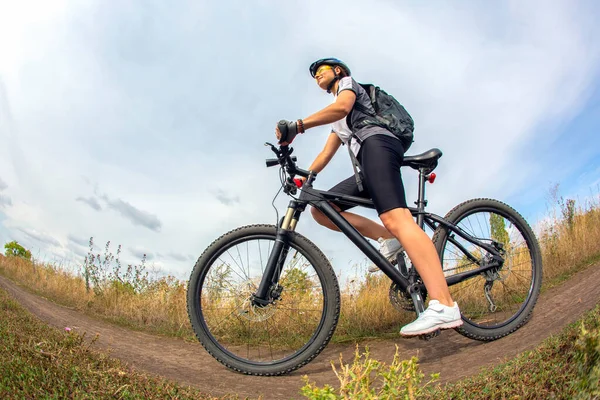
pixel 143 124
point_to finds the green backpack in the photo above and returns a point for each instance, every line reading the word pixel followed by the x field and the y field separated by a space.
pixel 389 114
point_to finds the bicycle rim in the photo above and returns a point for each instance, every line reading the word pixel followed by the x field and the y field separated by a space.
pixel 497 298
pixel 261 336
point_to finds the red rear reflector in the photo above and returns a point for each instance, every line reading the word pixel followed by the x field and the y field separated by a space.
pixel 432 177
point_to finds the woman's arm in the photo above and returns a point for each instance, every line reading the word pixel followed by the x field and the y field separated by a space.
pixel 333 112
pixel 331 147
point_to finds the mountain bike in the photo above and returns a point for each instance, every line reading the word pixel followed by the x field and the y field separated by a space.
pixel 264 300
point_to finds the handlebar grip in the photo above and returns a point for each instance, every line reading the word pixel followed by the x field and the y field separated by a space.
pixel 283 128
pixel 271 162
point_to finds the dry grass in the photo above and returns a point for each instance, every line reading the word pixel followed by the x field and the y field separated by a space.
pixel 160 308
pixel 568 243
pixel 367 311
pixel 41 362
pixel 569 240
pixel 287 325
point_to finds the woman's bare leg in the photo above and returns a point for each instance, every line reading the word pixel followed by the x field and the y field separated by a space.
pixel 421 251
pixel 365 226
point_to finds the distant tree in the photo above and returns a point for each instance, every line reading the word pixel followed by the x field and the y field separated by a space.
pixel 14 249
pixel 498 228
pixel 296 280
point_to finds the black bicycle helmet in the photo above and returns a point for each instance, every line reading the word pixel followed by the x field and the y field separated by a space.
pixel 328 61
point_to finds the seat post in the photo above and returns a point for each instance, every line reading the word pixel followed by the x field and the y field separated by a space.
pixel 421 201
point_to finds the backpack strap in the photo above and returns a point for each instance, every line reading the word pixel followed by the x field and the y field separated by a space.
pixel 364 109
pixel 355 164
pixel 370 90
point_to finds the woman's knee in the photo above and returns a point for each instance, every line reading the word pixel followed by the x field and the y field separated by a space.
pixel 394 220
pixel 322 218
pixel 318 216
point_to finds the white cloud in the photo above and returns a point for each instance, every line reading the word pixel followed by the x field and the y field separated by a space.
pixel 5 201
pixel 226 199
pixel 135 215
pixel 478 94
pixel 81 241
pixel 90 201
pixel 140 252
pixel 77 250
pixel 41 237
pixel 176 256
pixel 167 108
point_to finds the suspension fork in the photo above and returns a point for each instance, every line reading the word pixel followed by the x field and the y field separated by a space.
pixel 287 225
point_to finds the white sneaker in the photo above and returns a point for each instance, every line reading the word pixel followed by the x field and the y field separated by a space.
pixel 436 316
pixel 388 248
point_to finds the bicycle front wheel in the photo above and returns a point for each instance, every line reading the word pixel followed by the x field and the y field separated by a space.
pixel 269 340
pixel 497 302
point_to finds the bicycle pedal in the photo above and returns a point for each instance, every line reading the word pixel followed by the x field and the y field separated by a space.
pixel 429 336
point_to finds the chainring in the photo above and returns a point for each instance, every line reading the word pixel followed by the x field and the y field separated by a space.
pixel 400 301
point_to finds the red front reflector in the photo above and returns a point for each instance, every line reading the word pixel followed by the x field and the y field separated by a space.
pixel 298 182
pixel 432 177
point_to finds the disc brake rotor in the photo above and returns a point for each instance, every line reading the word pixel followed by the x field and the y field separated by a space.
pixel 503 272
pixel 506 269
pixel 246 309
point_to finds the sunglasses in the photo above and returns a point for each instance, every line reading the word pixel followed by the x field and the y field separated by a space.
pixel 322 69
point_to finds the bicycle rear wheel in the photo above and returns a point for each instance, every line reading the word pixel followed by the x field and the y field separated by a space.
pixel 499 301
pixel 274 339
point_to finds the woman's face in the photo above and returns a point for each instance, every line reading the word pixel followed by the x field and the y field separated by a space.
pixel 324 76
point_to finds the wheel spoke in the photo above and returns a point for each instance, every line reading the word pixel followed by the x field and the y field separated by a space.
pixel 513 284
pixel 257 334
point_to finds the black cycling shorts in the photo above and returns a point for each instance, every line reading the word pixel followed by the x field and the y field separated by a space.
pixel 380 158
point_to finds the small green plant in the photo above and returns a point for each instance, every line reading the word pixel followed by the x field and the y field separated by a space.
pixel 14 249
pixel 587 356
pixel 370 379
pixel 98 274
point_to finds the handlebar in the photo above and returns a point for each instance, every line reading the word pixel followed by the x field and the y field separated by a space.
pixel 271 162
pixel 288 162
pixel 285 159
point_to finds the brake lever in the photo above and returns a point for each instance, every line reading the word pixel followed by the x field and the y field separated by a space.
pixel 273 148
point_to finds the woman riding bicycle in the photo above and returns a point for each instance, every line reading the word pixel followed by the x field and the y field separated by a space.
pixel 379 153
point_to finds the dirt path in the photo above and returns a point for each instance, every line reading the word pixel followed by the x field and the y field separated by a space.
pixel 451 354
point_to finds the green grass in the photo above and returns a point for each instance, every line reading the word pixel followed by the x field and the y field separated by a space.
pixel 564 366
pixel 37 361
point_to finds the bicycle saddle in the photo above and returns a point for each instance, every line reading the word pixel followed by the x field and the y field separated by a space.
pixel 427 160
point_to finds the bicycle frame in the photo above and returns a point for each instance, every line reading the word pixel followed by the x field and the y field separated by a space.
pixel 320 200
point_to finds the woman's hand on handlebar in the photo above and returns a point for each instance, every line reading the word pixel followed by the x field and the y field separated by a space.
pixel 278 136
pixel 286 131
